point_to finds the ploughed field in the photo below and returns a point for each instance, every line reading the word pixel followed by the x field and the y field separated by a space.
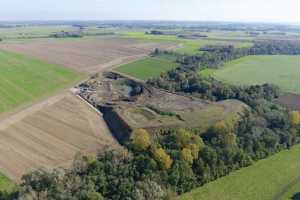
pixel 275 178
pixel 49 134
pixel 281 70
pixel 86 55
pixel 23 79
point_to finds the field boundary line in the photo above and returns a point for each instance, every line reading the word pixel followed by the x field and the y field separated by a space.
pixel 128 76
pixel 286 189
pixel 88 104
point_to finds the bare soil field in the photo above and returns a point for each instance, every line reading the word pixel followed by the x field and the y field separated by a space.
pixel 49 134
pixel 86 55
pixel 290 100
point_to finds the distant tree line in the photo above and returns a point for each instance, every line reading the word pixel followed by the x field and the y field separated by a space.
pixel 155 32
pixel 214 56
pixel 277 47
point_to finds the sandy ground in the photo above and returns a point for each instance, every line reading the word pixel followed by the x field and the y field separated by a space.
pixel 86 55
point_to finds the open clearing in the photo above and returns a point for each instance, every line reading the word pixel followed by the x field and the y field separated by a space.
pixel 86 55
pixel 49 134
pixel 290 100
pixel 265 180
pixel 147 68
pixel 153 109
pixel 283 71
pixel 23 79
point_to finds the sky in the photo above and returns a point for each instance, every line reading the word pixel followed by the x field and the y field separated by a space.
pixel 196 10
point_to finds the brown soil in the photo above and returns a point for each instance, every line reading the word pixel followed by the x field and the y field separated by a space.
pixel 290 100
pixel 49 134
pixel 87 55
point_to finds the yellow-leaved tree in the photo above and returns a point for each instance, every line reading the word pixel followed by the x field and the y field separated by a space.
pixel 189 141
pixel 220 128
pixel 141 139
pixel 162 158
pixel 186 155
pixel 295 118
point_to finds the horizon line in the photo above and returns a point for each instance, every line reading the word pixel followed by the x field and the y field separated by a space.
pixel 149 20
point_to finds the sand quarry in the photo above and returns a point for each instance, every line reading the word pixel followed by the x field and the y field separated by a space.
pixel 50 132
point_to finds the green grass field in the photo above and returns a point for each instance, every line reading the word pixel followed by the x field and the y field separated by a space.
pixel 280 70
pixel 264 180
pixel 147 68
pixel 6 184
pixel 23 79
pixel 292 192
pixel 187 46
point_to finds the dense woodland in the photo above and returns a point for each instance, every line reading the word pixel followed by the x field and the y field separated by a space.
pixel 176 161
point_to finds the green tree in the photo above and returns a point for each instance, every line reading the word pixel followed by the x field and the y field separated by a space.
pixel 94 196
pixel 182 177
pixel 149 190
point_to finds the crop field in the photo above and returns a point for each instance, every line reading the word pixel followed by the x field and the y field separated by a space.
pixel 49 134
pixel 187 46
pixel 147 68
pixel 25 33
pixel 281 70
pixel 266 179
pixel 87 55
pixel 23 79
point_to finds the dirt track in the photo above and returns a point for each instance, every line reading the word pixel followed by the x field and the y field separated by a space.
pixel 49 134
pixel 86 55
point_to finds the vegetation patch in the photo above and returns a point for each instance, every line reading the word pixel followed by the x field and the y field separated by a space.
pixel 281 70
pixel 147 68
pixel 6 185
pixel 263 180
pixel 23 79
